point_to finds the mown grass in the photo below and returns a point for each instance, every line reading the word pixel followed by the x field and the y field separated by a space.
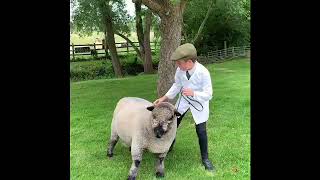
pixel 92 104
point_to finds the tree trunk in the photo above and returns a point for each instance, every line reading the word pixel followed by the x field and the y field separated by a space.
pixel 148 67
pixel 170 29
pixel 105 45
pixel 139 28
pixel 111 44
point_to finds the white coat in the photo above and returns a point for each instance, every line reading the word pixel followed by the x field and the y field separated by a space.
pixel 200 83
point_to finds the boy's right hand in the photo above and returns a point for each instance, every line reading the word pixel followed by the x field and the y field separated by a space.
pixel 160 100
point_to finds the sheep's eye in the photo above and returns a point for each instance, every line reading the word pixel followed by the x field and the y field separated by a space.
pixel 171 117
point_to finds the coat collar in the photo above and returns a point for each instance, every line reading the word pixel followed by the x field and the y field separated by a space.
pixel 191 71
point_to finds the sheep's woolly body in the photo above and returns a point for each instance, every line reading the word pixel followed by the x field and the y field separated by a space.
pixel 132 122
pixel 143 126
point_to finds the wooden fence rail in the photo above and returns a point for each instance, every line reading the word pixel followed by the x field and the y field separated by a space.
pixel 93 49
pixel 211 56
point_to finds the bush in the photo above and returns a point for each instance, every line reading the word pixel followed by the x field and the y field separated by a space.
pixel 97 69
pixel 91 70
pixel 132 68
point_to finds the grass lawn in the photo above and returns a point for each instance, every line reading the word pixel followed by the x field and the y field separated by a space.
pixel 92 105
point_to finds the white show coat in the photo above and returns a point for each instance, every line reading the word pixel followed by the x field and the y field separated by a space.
pixel 200 83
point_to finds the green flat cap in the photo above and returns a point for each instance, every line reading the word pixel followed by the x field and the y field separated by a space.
pixel 184 52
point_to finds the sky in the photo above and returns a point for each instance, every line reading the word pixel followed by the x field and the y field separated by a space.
pixel 130 7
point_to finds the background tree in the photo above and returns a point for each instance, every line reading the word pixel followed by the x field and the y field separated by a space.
pixel 102 16
pixel 143 35
pixel 229 20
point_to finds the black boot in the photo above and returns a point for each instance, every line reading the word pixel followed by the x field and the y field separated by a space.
pixel 207 164
pixel 203 143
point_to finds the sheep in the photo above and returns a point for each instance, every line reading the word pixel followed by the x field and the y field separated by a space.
pixel 143 126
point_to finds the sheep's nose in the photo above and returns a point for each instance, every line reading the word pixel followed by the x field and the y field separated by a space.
pixel 159 132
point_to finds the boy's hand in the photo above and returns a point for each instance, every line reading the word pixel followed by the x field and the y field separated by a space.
pixel 163 98
pixel 187 92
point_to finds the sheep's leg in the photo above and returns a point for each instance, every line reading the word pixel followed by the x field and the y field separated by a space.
pixel 136 153
pixel 112 142
pixel 160 165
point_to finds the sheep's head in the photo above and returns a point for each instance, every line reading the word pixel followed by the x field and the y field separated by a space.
pixel 163 115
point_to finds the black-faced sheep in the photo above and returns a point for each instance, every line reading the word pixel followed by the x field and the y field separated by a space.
pixel 143 126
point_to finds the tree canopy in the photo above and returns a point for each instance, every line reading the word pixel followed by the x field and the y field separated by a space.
pixel 229 21
pixel 88 16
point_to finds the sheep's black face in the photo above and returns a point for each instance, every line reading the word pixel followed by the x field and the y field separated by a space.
pixel 158 131
pixel 162 117
pixel 160 128
pixel 161 121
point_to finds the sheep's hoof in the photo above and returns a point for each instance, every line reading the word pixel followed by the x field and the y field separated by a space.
pixel 131 178
pixel 159 174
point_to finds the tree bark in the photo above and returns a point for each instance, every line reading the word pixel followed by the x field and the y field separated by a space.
pixel 144 37
pixel 111 43
pixel 105 45
pixel 148 67
pixel 170 30
pixel 155 6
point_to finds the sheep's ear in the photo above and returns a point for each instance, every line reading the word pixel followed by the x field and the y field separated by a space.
pixel 150 108
pixel 176 113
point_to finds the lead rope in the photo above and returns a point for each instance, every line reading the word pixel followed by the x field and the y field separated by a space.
pixel 181 95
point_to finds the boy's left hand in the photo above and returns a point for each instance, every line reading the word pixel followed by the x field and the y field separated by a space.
pixel 187 92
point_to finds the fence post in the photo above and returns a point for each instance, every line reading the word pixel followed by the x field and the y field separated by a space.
pixel 72 51
pixel 95 53
pixel 243 51
pixel 127 47
pixel 233 51
pixel 105 47
pixel 225 48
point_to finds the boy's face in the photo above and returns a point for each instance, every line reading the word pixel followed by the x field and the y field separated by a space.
pixel 184 65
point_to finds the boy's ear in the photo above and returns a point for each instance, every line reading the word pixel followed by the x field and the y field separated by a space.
pixel 176 113
pixel 150 108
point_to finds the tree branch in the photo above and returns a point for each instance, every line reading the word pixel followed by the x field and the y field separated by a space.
pixel 203 23
pixel 132 44
pixel 182 5
pixel 155 7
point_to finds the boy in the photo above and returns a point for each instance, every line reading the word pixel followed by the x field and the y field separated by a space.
pixel 193 81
